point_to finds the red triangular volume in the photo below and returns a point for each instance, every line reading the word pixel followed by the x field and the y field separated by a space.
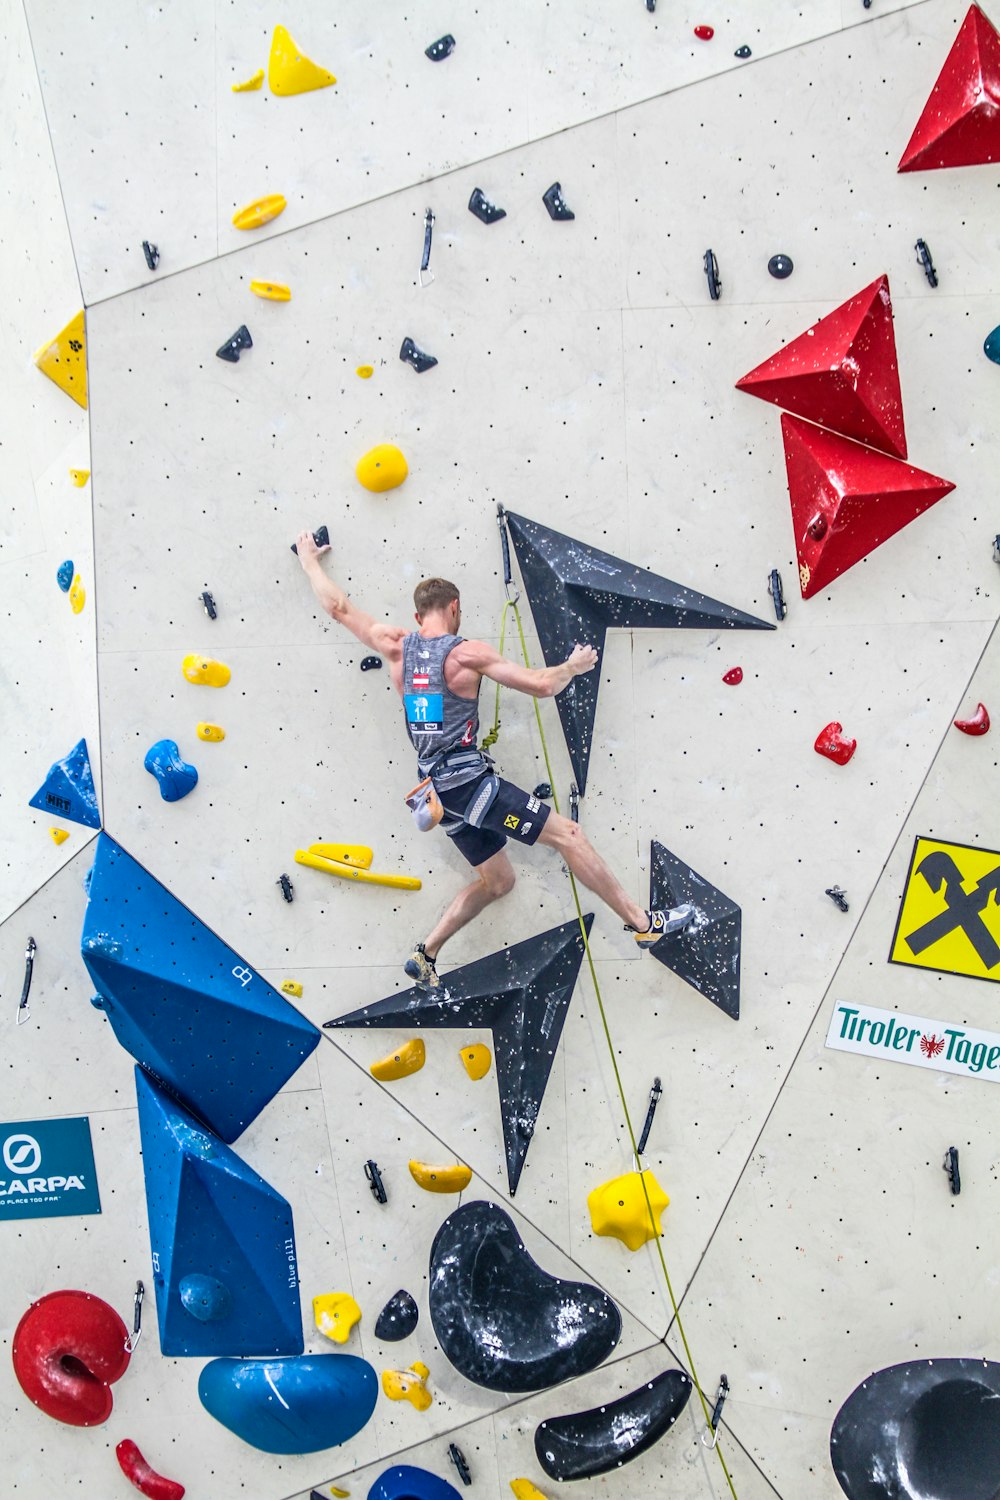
pixel 960 125
pixel 842 372
pixel 846 500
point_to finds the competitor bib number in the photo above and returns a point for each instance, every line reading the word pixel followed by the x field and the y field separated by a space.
pixel 425 712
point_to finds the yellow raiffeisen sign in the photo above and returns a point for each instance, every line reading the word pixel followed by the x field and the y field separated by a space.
pixel 949 919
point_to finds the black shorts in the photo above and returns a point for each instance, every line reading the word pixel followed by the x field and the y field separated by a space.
pixel 514 815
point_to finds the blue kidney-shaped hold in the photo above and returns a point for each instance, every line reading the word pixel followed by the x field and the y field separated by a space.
pixel 175 776
pixel 299 1404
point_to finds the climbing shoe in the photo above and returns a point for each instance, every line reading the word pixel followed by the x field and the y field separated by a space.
pixel 420 968
pixel 661 924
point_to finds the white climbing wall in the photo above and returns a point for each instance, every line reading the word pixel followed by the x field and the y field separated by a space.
pixel 586 381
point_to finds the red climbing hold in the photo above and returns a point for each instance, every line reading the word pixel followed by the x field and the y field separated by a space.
pixel 842 372
pixel 960 123
pixel 834 744
pixel 704 33
pixel 68 1349
pixel 846 500
pixel 145 1478
pixel 979 723
pixel 733 676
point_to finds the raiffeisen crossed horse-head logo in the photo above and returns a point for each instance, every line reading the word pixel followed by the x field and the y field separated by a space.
pixel 22 1155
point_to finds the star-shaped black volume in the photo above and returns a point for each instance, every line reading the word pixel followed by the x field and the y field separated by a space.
pixel 706 953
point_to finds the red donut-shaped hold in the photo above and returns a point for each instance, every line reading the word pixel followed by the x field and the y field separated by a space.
pixel 68 1349
pixel 145 1478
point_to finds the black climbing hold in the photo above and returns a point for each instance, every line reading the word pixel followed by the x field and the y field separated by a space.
pixel 577 592
pixel 706 953
pixel 934 1421
pixel 461 1463
pixel 397 1319
pixel 574 803
pixel 522 994
pixel 320 537
pixel 924 257
pixel 838 897
pixel 502 1321
pixel 585 1443
pixel 777 594
pixel 780 266
pixel 556 204
pixel 442 48
pixel 743 51
pixel 370 663
pixel 542 790
pixel 650 5
pixel 240 340
pixel 375 1182
pixel 152 255
pixel 208 604
pixel 483 209
pixel 712 275
pixel 954 1177
pixel 410 354
pixel 286 886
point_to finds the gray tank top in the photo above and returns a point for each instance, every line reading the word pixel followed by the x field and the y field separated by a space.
pixel 440 724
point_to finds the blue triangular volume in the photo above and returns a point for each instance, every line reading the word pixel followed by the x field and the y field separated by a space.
pixel 68 789
pixel 223 1240
pixel 182 1002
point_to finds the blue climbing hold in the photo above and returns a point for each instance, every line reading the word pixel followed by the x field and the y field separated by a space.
pixel 296 1405
pixel 405 1482
pixel 64 575
pixel 175 776
pixel 991 348
pixel 68 789
pixel 205 1298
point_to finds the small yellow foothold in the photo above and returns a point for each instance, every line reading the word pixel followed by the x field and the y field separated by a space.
pixel 335 1313
pixel 77 595
pixel 273 291
pixel 358 855
pixel 476 1059
pixel 382 468
pixel 64 360
pixel 79 477
pixel 447 1179
pixel 525 1490
pixel 289 71
pixel 365 371
pixel 203 670
pixel 348 872
pixel 339 1494
pixel 408 1385
pixel 211 732
pixel 291 987
pixel 60 835
pixel 619 1208
pixel 407 1059
pixel 251 83
pixel 260 211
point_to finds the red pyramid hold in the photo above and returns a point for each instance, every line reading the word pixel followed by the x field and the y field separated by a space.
pixel 842 372
pixel 960 124
pixel 846 500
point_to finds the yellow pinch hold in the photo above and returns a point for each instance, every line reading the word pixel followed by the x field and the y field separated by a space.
pixel 346 872
pixel 365 371
pixel 289 71
pixel 476 1059
pixel 447 1179
pixel 260 211
pixel 77 595
pixel 204 671
pixel 272 291
pixel 291 987
pixel 79 477
pixel 619 1208
pixel 382 468
pixel 254 82
pixel 525 1490
pixel 59 835
pixel 407 1059
pixel 212 733
pixel 64 359
pixel 335 1314
pixel 408 1385
pixel 358 855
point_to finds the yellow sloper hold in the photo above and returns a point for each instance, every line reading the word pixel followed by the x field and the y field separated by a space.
pixel 64 360
pixel 260 211
pixel 335 1314
pixel 212 733
pixel 476 1059
pixel 365 371
pixel 619 1208
pixel 408 1385
pixel 205 671
pixel 251 83
pixel 358 855
pixel 347 872
pixel 77 595
pixel 382 468
pixel 289 71
pixel 291 987
pixel 79 477
pixel 525 1490
pixel 407 1059
pixel 273 291
pixel 60 835
pixel 447 1179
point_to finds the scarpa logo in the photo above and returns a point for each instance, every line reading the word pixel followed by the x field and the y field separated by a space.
pixel 22 1154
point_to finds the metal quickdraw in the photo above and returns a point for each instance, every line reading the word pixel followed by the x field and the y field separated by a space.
pixel 425 259
pixel 23 1013
pixel 136 1334
pixel 716 1417
pixel 655 1094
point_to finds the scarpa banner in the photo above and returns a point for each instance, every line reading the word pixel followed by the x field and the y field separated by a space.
pixel 892 1036
pixel 47 1169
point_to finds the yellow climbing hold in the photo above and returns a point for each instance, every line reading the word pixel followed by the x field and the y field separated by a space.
pixel 619 1208
pixel 358 855
pixel 251 83
pixel 335 1314
pixel 525 1490
pixel 347 872
pixel 291 987
pixel 260 211
pixel 77 595
pixel 211 732
pixel 365 371
pixel 273 291
pixel 203 670
pixel 79 477
pixel 476 1059
pixel 59 835
pixel 382 468
pixel 408 1385
pixel 289 71
pixel 64 360
pixel 407 1059
pixel 447 1179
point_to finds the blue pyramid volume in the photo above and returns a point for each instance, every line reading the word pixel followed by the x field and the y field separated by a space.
pixel 222 1239
pixel 186 1006
pixel 68 789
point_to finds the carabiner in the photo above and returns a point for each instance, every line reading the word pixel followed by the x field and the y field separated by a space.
pixel 136 1334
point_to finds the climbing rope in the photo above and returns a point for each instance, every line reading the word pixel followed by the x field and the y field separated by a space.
pixel 657 1238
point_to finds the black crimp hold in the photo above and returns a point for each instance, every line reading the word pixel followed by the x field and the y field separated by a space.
pixel 370 663
pixel 951 1167
pixel 410 354
pixel 286 886
pixel 484 210
pixel 208 604
pixel 231 349
pixel 375 1182
pixel 442 48
pixel 777 594
pixel 712 275
pixel 556 203
pixel 461 1463
pixel 924 257
pixel 320 537
pixel 152 255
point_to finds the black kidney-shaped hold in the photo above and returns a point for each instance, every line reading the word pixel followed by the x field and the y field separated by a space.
pixel 397 1319
pixel 585 1443
pixel 442 48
